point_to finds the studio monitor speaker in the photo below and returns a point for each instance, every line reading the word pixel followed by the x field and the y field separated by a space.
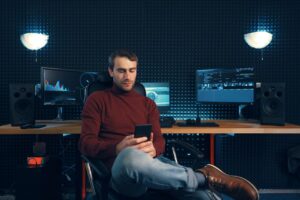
pixel 272 103
pixel 21 104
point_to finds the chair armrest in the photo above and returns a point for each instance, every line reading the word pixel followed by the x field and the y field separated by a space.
pixel 195 152
pixel 97 166
pixel 198 155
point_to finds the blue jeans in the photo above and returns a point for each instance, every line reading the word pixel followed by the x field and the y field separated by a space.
pixel 134 171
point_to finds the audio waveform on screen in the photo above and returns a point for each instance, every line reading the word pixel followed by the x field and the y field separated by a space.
pixel 57 87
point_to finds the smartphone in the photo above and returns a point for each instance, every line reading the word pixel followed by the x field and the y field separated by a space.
pixel 143 130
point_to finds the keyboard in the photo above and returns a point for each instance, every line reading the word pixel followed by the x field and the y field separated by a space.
pixel 166 122
pixel 202 124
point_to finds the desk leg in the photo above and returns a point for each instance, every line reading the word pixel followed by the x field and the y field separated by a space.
pixel 83 182
pixel 212 148
pixel 78 175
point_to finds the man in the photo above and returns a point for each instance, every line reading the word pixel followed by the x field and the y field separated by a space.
pixel 108 122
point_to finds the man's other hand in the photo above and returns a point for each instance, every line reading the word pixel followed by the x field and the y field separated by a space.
pixel 129 141
pixel 147 147
pixel 139 143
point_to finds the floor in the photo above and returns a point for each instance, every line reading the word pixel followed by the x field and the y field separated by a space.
pixel 263 196
pixel 276 195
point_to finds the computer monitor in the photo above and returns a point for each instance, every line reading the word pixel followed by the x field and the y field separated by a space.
pixel 221 85
pixel 159 92
pixel 61 86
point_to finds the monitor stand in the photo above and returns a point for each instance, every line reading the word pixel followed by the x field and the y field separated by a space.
pixel 59 117
pixel 200 123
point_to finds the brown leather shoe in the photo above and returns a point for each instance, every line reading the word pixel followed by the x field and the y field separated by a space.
pixel 233 186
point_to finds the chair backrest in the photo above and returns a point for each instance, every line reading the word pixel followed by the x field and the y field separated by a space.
pixel 104 81
pixel 97 173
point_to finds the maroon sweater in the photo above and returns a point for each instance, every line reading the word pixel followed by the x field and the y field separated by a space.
pixel 110 115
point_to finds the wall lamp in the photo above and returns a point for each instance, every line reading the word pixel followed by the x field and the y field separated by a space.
pixel 34 41
pixel 259 39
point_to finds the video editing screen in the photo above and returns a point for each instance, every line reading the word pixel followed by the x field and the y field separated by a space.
pixel 159 93
pixel 221 85
pixel 61 86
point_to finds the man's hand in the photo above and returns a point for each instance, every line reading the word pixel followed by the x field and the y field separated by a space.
pixel 147 147
pixel 139 143
pixel 129 141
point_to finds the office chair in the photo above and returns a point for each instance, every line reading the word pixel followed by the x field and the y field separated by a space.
pixel 99 176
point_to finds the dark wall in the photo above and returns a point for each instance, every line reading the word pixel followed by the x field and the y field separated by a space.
pixel 171 38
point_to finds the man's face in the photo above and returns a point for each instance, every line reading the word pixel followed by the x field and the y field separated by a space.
pixel 124 73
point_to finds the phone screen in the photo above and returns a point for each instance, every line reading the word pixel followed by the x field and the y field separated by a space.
pixel 143 130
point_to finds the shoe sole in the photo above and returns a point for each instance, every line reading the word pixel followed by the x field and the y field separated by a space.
pixel 237 177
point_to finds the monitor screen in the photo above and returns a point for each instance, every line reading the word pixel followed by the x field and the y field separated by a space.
pixel 61 86
pixel 159 93
pixel 220 85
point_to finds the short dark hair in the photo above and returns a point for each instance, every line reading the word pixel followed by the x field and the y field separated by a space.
pixel 121 53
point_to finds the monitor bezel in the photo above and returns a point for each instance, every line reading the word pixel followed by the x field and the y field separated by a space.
pixel 162 109
pixel 43 85
pixel 220 102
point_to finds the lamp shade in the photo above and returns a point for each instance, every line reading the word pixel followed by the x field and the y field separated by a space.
pixel 258 40
pixel 34 41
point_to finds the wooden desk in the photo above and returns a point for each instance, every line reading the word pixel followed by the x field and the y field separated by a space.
pixel 233 127
pixel 68 126
pixel 237 127
pixel 226 126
